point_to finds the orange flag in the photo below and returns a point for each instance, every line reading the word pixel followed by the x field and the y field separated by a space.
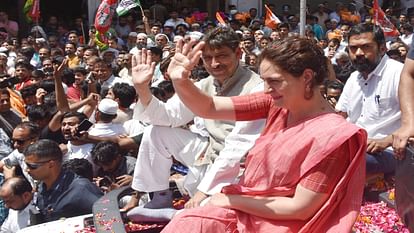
pixel 220 19
pixel 381 20
pixel 271 20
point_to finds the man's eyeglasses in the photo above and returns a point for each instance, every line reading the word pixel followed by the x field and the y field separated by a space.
pixel 34 166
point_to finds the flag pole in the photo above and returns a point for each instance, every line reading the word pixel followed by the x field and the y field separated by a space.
pixel 142 11
pixel 302 17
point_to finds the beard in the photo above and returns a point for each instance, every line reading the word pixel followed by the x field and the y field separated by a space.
pixel 364 65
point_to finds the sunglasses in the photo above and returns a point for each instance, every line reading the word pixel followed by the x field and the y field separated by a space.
pixel 34 166
pixel 20 141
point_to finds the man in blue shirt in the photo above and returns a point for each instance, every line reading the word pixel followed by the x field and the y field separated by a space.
pixel 61 193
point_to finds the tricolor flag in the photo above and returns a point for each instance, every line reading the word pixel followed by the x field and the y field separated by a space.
pixel 271 20
pixel 125 5
pixel 27 9
pixel 220 19
pixel 381 20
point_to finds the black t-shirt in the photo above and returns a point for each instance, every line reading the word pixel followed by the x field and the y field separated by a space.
pixel 56 136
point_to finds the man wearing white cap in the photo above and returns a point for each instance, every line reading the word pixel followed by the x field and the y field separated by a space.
pixel 131 40
pixel 104 115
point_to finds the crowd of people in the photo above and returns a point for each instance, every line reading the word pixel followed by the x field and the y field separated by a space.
pixel 272 131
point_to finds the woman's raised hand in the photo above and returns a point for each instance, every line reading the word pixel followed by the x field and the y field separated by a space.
pixel 185 59
pixel 142 67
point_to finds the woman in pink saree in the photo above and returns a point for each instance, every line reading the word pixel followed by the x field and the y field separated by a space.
pixel 306 171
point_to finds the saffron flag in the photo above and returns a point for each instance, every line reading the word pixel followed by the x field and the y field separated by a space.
pixel 271 20
pixel 381 20
pixel 220 19
pixel 125 5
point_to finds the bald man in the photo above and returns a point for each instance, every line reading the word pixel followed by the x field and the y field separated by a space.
pixel 17 195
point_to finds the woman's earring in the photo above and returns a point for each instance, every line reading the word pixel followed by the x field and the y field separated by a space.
pixel 308 92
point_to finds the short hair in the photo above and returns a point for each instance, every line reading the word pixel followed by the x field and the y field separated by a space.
pixel 80 69
pixel 37 113
pixel 34 129
pixel 44 149
pixel 167 86
pixel 368 27
pixel 28 91
pixel 48 85
pixel 249 38
pixel 38 74
pixel 125 93
pixel 105 152
pixel 222 37
pixel 81 167
pixel 69 42
pixel 296 54
pixel 334 84
pixel 81 116
pixel 283 25
pixel 18 185
pixel 24 64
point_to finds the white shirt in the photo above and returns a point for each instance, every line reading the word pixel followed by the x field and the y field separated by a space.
pixel 373 104
pixel 78 152
pixel 17 219
pixel 111 81
pixel 407 39
pixel 106 129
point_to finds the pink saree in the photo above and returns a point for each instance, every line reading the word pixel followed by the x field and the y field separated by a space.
pixel 276 165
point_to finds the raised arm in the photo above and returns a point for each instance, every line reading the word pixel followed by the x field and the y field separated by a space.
pixel 62 103
pixel 406 97
pixel 185 59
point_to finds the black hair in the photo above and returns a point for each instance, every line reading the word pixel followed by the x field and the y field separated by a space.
pixel 19 185
pixel 34 130
pixel 48 85
pixel 37 113
pixel 24 64
pixel 125 93
pixel 79 115
pixel 44 149
pixel 28 91
pixel 81 167
pixel 334 84
pixel 105 152
pixel 368 27
pixel 222 37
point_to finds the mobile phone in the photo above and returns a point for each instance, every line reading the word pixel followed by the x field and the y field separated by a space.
pixel 106 181
pixel 83 126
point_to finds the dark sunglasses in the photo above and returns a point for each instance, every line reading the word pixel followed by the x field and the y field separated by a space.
pixel 34 166
pixel 20 141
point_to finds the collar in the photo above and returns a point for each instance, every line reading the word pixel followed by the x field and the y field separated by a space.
pixel 59 184
pixel 228 83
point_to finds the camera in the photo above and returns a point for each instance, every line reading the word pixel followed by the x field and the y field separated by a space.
pixel 9 81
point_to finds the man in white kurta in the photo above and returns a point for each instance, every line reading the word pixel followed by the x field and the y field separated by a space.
pixel 210 149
